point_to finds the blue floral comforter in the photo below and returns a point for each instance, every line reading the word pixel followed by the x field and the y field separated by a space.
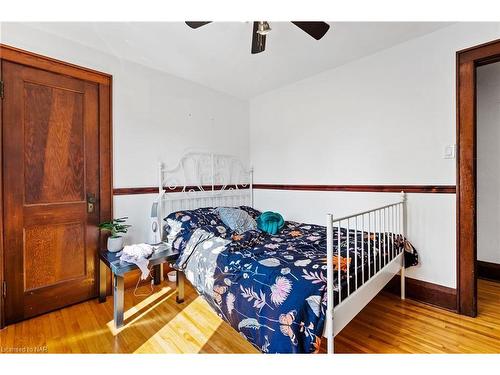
pixel 272 289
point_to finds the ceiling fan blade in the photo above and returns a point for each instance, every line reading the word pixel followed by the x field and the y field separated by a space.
pixel 314 28
pixel 258 40
pixel 196 24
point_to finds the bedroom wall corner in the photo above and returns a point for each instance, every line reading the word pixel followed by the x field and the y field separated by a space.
pixel 382 120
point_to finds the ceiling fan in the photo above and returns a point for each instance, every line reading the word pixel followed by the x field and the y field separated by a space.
pixel 261 28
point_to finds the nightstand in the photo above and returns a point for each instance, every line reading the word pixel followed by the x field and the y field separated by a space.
pixel 119 269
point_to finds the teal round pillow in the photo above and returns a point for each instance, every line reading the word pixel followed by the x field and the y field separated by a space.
pixel 270 222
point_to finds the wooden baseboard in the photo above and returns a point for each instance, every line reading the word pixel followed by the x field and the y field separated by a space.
pixel 422 291
pixel 487 270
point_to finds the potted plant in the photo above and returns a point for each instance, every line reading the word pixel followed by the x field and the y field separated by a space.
pixel 115 227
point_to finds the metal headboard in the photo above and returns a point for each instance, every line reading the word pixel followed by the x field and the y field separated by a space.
pixel 203 180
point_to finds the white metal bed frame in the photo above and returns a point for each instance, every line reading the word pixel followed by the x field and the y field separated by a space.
pixel 203 179
pixel 208 179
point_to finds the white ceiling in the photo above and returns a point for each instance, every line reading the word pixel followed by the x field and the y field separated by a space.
pixel 218 55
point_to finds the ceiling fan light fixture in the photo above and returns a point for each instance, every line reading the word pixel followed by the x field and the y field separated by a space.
pixel 260 29
pixel 263 28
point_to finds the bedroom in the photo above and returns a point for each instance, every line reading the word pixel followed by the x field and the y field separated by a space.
pixel 369 122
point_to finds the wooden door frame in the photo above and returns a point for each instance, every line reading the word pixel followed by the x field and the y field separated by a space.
pixel 467 62
pixel 105 82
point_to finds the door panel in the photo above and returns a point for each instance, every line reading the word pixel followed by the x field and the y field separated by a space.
pixel 61 243
pixel 51 163
pixel 53 148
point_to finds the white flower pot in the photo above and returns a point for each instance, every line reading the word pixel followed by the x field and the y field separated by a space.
pixel 115 244
pixel 172 276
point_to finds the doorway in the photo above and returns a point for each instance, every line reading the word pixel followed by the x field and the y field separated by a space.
pixel 468 61
pixel 488 179
pixel 56 181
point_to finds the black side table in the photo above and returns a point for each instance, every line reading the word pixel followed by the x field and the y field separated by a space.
pixel 119 269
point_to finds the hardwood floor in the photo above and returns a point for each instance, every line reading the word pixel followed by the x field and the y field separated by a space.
pixel 389 325
pixel 157 324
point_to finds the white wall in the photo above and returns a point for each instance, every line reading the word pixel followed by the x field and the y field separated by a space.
pixel 156 116
pixel 431 221
pixel 488 163
pixel 383 119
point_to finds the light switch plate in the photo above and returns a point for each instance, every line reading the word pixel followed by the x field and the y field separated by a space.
pixel 450 151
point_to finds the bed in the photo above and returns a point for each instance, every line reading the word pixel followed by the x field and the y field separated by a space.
pixel 280 292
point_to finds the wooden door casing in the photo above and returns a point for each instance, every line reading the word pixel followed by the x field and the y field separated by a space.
pixel 59 152
pixel 2 265
pixel 467 62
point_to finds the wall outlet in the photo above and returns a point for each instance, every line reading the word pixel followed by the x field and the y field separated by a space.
pixel 450 151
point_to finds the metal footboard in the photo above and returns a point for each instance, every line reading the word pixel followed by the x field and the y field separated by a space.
pixel 384 228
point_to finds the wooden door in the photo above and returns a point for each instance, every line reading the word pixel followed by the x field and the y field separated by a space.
pixel 50 170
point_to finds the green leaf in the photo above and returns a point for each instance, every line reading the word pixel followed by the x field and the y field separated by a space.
pixel 115 226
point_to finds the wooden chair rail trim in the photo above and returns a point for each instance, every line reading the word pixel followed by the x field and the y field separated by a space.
pixel 178 189
pixel 436 189
pixel 445 189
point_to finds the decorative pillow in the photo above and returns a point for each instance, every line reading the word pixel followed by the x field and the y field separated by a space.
pixel 270 222
pixel 179 222
pixel 236 219
pixel 251 211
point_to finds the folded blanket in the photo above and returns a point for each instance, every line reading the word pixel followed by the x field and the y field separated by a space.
pixel 270 222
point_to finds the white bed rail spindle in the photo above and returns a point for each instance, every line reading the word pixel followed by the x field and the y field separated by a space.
pixel 329 280
pixel 251 186
pixel 403 234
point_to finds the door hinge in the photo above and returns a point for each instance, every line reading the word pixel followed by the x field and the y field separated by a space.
pixel 1 90
pixel 4 289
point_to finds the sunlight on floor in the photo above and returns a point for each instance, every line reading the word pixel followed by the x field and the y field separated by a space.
pixel 187 332
pixel 142 308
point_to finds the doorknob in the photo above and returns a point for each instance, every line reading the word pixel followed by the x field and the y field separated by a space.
pixel 91 202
